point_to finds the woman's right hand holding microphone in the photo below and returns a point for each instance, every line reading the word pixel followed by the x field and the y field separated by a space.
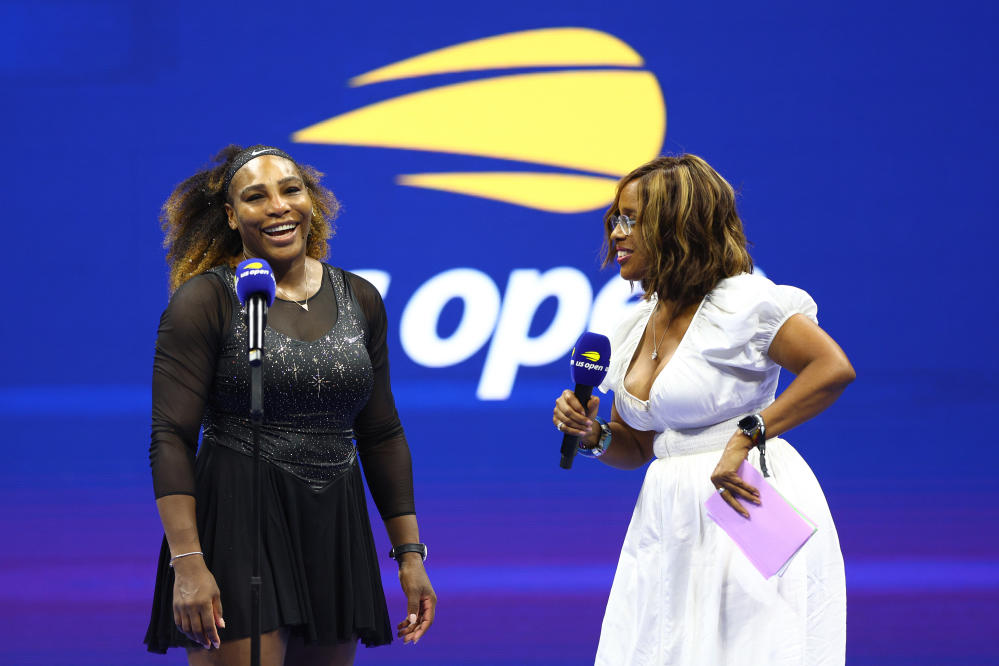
pixel 570 417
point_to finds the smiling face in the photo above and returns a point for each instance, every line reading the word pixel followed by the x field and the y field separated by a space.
pixel 270 206
pixel 631 254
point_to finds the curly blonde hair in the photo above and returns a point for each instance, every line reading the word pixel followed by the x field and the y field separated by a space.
pixel 196 228
pixel 689 225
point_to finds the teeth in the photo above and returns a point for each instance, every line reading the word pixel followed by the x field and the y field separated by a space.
pixel 280 228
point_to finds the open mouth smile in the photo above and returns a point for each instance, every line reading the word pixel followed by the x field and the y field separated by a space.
pixel 281 231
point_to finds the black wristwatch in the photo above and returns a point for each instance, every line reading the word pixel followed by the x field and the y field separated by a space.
pixel 420 548
pixel 754 428
pixel 603 442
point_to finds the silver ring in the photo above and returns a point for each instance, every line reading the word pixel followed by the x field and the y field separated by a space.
pixel 560 426
pixel 722 490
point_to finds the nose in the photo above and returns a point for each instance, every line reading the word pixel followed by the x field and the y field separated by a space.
pixel 277 205
pixel 617 233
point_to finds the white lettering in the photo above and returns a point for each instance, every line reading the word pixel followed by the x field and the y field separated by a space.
pixel 418 327
pixel 511 347
pixel 255 271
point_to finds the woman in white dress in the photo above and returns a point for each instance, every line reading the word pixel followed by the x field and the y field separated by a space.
pixel 694 374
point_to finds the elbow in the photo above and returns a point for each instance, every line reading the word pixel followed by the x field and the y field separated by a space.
pixel 843 373
pixel 832 372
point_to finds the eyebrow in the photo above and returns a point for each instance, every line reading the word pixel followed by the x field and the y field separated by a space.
pixel 280 182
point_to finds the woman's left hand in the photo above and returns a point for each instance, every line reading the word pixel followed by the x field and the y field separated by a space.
pixel 420 597
pixel 726 475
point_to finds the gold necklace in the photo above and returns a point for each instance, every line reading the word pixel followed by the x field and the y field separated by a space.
pixel 302 304
pixel 655 351
pixel 305 303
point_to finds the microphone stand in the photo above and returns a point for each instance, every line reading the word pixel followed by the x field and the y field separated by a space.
pixel 255 308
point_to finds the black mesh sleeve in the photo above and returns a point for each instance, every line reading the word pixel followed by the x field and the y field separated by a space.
pixel 187 345
pixel 381 441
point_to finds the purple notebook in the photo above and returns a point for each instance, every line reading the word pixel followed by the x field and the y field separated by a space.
pixel 774 532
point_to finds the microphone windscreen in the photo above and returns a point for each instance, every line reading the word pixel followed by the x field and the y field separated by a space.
pixel 254 276
pixel 590 359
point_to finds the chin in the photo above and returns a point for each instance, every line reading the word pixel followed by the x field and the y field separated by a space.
pixel 631 275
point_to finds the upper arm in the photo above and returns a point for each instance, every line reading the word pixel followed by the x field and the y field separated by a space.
pixel 373 309
pixel 378 420
pixel 190 335
pixel 187 346
pixel 800 341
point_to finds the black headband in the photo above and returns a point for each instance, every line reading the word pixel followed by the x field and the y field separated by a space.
pixel 250 153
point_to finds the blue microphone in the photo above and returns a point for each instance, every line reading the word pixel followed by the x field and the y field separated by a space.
pixel 588 365
pixel 255 287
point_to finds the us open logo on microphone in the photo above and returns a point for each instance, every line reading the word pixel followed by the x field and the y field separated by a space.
pixel 253 270
pixel 591 362
pixel 249 270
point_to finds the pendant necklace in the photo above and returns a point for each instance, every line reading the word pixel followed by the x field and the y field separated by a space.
pixel 302 304
pixel 655 351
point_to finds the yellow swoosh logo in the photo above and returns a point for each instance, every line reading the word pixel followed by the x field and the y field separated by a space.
pixel 551 192
pixel 598 121
pixel 591 356
pixel 547 47
pixel 255 264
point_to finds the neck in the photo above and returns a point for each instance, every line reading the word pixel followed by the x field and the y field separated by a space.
pixel 292 274
pixel 666 307
pixel 287 275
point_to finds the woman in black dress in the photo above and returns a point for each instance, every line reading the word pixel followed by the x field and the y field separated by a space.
pixel 326 383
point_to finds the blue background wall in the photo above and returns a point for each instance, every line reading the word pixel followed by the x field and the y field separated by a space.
pixel 859 134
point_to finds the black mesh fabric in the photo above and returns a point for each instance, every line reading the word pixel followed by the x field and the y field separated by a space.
pixel 192 331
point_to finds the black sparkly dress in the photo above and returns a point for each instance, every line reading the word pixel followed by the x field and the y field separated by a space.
pixel 326 383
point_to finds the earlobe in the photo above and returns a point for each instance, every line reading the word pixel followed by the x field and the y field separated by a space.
pixel 230 215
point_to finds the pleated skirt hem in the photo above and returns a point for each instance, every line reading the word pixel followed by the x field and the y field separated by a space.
pixel 319 567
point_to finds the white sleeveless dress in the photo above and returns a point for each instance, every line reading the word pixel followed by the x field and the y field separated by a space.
pixel 684 593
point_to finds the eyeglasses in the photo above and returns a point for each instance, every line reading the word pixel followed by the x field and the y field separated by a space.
pixel 624 222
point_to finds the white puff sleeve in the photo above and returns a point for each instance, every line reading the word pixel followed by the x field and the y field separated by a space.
pixel 742 315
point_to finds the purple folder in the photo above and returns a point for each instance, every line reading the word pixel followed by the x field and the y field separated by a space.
pixel 774 532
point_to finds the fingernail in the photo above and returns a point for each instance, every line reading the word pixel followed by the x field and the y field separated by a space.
pixel 222 622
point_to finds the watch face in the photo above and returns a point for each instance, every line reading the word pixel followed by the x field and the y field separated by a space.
pixel 750 423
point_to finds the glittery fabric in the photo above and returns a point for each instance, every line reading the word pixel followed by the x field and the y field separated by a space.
pixel 313 392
